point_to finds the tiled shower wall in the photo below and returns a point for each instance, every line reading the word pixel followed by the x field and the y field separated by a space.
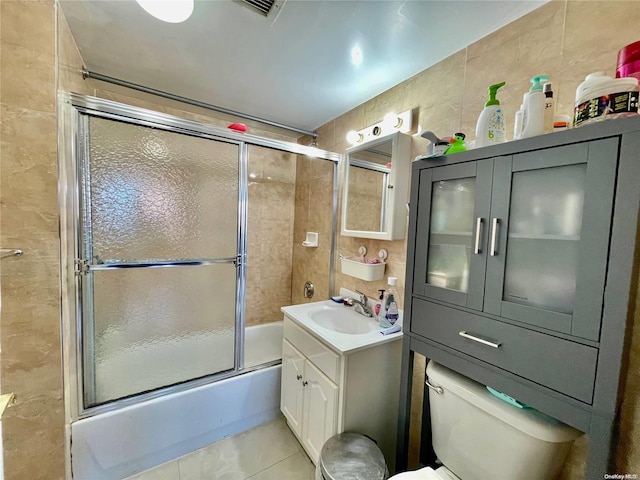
pixel 33 430
pixel 565 39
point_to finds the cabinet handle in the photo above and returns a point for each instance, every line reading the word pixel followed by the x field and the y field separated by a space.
pixel 494 235
pixel 476 248
pixel 305 383
pixel 479 340
pixel 299 377
pixel 438 390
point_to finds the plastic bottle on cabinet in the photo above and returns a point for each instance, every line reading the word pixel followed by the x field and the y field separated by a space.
pixel 390 304
pixel 533 118
pixel 490 128
pixel 549 107
pixel 517 122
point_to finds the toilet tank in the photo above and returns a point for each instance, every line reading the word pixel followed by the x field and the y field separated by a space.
pixel 478 436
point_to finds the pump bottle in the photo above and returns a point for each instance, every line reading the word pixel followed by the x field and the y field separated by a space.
pixel 533 118
pixel 389 308
pixel 549 107
pixel 490 128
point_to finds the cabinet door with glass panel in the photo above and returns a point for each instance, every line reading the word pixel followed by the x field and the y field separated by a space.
pixel 549 236
pixel 451 238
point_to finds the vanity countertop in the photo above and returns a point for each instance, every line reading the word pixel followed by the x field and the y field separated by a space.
pixel 339 326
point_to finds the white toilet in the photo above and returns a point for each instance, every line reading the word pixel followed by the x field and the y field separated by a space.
pixel 477 436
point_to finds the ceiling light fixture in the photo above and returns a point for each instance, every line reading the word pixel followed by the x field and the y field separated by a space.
pixel 392 123
pixel 171 11
pixel 356 55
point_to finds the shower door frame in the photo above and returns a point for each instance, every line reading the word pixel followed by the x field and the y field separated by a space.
pixel 74 113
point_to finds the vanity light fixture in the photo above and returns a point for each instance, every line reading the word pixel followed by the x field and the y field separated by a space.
pixel 392 123
pixel 170 11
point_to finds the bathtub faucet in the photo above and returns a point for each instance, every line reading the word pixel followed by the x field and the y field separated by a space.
pixel 361 305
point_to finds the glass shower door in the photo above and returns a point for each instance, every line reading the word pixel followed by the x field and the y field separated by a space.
pixel 160 213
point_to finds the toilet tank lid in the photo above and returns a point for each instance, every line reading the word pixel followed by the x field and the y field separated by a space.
pixel 527 420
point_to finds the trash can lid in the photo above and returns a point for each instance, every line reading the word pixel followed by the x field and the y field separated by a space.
pixel 352 456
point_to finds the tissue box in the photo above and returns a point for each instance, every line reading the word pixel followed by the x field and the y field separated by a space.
pixel 363 271
pixel 441 279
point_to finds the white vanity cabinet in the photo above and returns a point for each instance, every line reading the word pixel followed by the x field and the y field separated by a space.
pixel 326 391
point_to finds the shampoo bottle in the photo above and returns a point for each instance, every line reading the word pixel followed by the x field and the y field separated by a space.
pixel 533 118
pixel 490 128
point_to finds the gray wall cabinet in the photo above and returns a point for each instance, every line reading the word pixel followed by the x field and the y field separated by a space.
pixel 519 269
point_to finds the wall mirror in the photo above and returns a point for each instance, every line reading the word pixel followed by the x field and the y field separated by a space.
pixel 376 188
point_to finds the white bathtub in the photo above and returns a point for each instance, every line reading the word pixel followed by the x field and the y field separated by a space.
pixel 120 443
pixel 262 344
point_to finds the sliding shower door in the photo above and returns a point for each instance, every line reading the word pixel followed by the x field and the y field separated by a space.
pixel 160 240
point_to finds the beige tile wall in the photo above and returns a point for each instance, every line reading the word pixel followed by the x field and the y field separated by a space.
pixel 30 285
pixel 313 213
pixel 272 187
pixel 564 39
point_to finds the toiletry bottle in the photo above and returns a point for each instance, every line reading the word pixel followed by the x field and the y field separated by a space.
pixel 517 122
pixel 549 107
pixel 533 118
pixel 390 304
pixel 377 308
pixel 490 128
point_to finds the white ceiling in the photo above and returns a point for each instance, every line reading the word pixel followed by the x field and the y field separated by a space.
pixel 294 66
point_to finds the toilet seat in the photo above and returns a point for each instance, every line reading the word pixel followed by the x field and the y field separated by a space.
pixel 426 473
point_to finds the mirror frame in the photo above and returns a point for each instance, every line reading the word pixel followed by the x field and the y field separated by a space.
pixel 398 188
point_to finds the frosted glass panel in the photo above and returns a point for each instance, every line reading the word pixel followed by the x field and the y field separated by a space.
pixel 161 326
pixel 544 230
pixel 161 195
pixel 452 207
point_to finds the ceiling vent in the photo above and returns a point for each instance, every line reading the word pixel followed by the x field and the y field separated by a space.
pixel 265 7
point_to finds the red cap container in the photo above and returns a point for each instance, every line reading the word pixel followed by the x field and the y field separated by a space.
pixel 629 61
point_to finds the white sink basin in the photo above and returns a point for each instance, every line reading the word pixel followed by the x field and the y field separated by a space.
pixel 340 327
pixel 342 319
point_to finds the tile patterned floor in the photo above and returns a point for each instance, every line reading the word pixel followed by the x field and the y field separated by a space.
pixel 266 452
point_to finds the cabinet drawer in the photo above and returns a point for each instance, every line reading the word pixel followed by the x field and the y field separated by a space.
pixel 320 355
pixel 559 364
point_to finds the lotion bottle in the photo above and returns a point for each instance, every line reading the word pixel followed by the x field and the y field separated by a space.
pixel 490 128
pixel 533 118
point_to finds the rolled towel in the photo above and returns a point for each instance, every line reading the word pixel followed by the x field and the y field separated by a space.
pixel 396 327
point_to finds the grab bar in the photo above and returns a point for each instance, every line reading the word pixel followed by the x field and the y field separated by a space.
pixel 10 252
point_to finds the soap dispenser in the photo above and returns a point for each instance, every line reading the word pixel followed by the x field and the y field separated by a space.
pixel 389 309
pixel 533 118
pixel 490 128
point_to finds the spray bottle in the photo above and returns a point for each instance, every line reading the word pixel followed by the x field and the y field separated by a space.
pixel 490 128
pixel 533 118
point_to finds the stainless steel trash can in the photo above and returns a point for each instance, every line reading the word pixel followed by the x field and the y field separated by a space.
pixel 351 456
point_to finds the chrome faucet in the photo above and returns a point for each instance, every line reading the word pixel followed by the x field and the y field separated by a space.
pixel 361 305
